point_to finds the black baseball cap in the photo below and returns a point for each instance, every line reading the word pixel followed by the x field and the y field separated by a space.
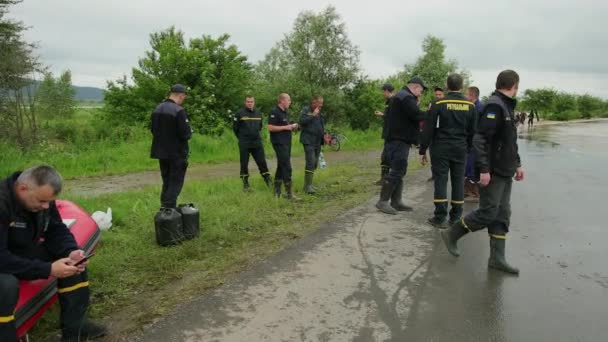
pixel 417 80
pixel 387 86
pixel 179 88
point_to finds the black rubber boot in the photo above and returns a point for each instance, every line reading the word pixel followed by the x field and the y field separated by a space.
pixel 277 187
pixel 437 222
pixel 289 191
pixel 246 186
pixel 497 259
pixel 451 235
pixel 385 195
pixel 308 188
pixel 88 331
pixel 396 198
pixel 383 173
pixel 267 180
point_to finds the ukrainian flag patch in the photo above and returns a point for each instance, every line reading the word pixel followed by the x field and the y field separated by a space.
pixel 491 116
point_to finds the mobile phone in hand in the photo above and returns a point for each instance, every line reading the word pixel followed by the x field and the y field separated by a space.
pixel 87 257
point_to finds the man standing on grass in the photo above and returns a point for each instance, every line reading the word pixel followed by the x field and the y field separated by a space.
pixel 387 92
pixel 35 244
pixel 170 134
pixel 311 137
pixel 498 161
pixel 448 129
pixel 247 126
pixel 403 117
pixel 280 135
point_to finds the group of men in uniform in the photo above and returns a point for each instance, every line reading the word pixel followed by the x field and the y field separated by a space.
pixel 470 144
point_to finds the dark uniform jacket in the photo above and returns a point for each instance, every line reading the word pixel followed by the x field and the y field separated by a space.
pixel 496 139
pixel 312 127
pixel 170 131
pixel 450 125
pixel 21 231
pixel 386 103
pixel 402 117
pixel 279 117
pixel 247 126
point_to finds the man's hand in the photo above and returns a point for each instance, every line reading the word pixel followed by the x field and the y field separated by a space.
pixel 63 268
pixel 378 113
pixel 484 179
pixel 423 159
pixel 520 174
pixel 76 256
pixel 316 111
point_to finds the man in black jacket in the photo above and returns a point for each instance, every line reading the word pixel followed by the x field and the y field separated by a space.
pixel 498 162
pixel 387 92
pixel 448 129
pixel 280 135
pixel 402 124
pixel 170 134
pixel 311 137
pixel 247 127
pixel 35 244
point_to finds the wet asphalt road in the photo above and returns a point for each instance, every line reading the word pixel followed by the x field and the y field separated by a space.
pixel 375 277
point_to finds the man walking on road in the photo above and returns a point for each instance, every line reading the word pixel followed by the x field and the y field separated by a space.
pixel 387 92
pixel 311 137
pixel 471 188
pixel 498 161
pixel 170 134
pixel 247 127
pixel 280 135
pixel 402 120
pixel 448 129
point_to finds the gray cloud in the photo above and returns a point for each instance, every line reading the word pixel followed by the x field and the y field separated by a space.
pixel 560 44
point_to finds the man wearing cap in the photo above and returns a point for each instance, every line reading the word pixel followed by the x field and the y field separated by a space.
pixel 402 119
pixel 280 135
pixel 448 129
pixel 498 160
pixel 438 93
pixel 311 137
pixel 170 134
pixel 247 126
pixel 387 92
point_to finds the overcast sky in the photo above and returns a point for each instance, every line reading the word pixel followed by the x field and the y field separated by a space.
pixel 560 44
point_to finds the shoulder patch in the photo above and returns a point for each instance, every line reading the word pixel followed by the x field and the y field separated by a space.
pixel 491 116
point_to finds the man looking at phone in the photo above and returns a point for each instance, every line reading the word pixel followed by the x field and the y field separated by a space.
pixel 35 244
pixel 311 123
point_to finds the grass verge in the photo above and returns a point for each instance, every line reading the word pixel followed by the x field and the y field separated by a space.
pixel 135 281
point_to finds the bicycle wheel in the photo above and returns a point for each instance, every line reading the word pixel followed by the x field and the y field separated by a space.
pixel 335 144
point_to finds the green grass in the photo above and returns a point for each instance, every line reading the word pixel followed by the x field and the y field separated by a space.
pixel 134 280
pixel 83 147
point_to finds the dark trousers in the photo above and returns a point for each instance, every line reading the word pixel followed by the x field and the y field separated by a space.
pixel 384 162
pixel 283 152
pixel 469 172
pixel 173 172
pixel 397 152
pixel 257 152
pixel 494 210
pixel 311 153
pixel 444 165
pixel 73 298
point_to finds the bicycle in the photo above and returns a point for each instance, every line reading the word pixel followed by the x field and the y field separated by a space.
pixel 333 140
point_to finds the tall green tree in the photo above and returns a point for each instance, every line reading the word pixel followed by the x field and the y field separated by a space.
pixel 589 106
pixel 18 65
pixel 216 72
pixel 55 96
pixel 315 58
pixel 432 66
